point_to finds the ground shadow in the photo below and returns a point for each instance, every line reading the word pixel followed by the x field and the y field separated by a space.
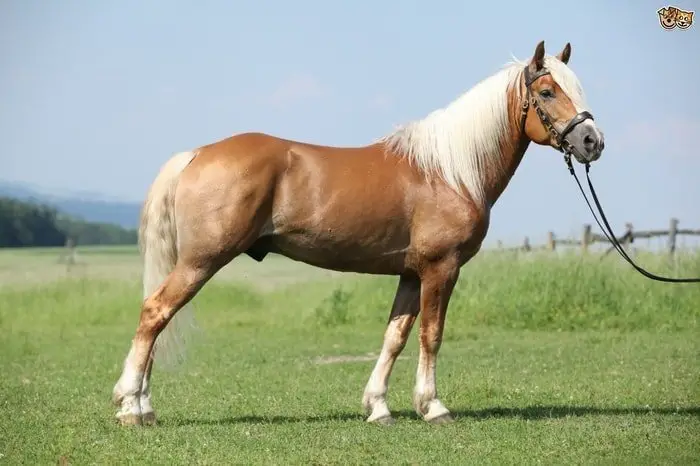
pixel 529 412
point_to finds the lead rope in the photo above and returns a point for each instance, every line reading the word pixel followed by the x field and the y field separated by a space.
pixel 611 237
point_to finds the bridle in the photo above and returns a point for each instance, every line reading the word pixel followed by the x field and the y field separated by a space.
pixel 562 145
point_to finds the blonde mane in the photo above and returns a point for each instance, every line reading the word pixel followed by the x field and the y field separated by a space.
pixel 462 142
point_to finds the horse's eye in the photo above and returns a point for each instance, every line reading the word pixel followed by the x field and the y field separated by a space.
pixel 546 93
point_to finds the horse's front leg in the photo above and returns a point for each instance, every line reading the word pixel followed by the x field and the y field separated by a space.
pixel 403 315
pixel 437 283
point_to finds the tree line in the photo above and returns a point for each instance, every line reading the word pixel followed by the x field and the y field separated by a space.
pixel 29 224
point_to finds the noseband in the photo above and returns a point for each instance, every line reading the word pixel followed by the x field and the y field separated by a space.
pixel 562 145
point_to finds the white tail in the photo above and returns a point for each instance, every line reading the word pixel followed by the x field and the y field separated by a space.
pixel 159 251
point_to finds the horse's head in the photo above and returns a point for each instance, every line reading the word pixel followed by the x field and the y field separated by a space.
pixel 556 114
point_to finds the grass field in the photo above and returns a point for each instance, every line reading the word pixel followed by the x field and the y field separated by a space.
pixel 545 360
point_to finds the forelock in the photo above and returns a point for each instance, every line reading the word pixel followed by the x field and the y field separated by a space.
pixel 567 81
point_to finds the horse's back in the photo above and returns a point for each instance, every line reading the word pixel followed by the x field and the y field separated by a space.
pixel 250 143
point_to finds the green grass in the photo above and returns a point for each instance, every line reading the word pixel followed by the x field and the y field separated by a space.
pixel 545 360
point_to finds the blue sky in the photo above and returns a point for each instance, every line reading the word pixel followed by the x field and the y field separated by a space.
pixel 96 95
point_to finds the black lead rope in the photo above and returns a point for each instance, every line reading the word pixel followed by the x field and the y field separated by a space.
pixel 611 236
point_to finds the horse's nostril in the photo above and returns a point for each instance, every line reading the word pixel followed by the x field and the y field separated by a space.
pixel 589 142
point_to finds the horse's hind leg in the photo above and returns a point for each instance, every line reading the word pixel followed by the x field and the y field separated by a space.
pixel 147 412
pixel 403 314
pixel 179 287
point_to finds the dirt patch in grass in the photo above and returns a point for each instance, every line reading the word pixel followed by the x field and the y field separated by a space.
pixel 348 358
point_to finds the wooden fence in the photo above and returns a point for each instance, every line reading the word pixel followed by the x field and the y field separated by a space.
pixel 589 238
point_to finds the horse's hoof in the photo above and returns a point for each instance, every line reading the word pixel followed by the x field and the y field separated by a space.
pixel 441 419
pixel 383 421
pixel 149 419
pixel 130 419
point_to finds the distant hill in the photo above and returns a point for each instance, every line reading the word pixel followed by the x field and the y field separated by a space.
pixel 90 207
pixel 29 223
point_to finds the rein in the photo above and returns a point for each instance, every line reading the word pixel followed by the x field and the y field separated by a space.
pixel 562 145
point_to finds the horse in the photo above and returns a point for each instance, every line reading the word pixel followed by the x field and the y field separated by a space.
pixel 414 204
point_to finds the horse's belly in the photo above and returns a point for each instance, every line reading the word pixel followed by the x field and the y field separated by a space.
pixel 350 251
pixel 325 216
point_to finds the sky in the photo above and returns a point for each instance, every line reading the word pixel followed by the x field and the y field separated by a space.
pixel 96 95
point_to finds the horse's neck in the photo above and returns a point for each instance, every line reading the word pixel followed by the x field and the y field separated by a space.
pixel 513 149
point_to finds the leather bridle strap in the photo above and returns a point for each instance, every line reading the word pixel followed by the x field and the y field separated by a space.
pixel 562 144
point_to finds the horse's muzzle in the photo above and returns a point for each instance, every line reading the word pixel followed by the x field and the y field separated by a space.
pixel 587 142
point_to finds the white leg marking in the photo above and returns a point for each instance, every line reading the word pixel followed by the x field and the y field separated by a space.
pixel 128 388
pixel 425 394
pixel 374 399
pixel 145 399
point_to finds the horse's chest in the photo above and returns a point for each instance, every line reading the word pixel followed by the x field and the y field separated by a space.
pixel 444 233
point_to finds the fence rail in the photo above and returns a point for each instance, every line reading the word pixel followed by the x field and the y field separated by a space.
pixel 588 238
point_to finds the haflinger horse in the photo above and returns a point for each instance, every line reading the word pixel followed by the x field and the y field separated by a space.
pixel 414 204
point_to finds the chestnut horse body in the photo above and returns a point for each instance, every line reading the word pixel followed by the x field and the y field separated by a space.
pixel 414 204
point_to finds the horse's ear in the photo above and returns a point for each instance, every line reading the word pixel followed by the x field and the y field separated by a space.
pixel 565 54
pixel 537 61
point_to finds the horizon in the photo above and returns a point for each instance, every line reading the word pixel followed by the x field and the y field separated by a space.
pixel 100 96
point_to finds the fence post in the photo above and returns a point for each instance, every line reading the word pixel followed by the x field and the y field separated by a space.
pixel 551 242
pixel 629 234
pixel 628 239
pixel 68 254
pixel 586 238
pixel 672 232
